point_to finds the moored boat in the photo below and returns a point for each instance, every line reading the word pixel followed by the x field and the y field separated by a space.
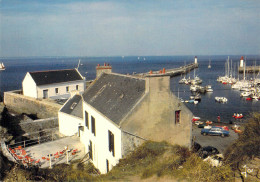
pixel 195 118
pixel 237 116
pixel 2 66
pixel 221 99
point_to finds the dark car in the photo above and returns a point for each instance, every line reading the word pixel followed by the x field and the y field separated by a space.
pixel 215 131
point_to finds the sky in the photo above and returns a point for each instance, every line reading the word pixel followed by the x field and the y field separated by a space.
pixel 129 27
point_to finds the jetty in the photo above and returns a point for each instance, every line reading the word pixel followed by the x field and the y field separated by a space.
pixel 169 72
pixel 249 69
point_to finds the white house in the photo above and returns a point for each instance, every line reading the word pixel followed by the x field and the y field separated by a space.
pixel 117 113
pixel 53 84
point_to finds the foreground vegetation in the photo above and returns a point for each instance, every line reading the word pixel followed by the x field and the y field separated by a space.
pixel 246 149
pixel 150 159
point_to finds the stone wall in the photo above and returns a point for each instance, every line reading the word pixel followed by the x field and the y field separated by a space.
pixel 23 104
pixel 130 142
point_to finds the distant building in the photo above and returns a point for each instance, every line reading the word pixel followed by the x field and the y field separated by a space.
pixel 53 84
pixel 118 113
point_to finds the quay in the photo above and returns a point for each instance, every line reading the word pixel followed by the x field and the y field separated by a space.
pixel 169 72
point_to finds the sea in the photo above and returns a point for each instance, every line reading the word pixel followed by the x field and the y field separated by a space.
pixel 207 109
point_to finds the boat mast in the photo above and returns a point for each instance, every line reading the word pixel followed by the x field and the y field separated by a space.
pixel 228 67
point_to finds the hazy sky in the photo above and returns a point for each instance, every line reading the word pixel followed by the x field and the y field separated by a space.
pixel 129 27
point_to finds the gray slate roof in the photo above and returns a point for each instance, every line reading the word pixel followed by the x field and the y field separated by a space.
pixel 114 95
pixel 55 76
pixel 73 106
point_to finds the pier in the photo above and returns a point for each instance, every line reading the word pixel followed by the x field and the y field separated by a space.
pixel 169 72
pixel 249 69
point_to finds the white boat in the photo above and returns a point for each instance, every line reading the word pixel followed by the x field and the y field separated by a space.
pixel 246 94
pixel 194 88
pixel 2 66
pixel 209 66
pixel 209 88
pixel 221 99
pixel 196 102
pixel 183 80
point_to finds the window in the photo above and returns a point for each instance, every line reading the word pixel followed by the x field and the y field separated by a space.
pixel 86 119
pixel 73 105
pixel 77 87
pixel 111 145
pixel 107 166
pixel 56 90
pixel 67 89
pixel 90 150
pixel 177 117
pixel 93 125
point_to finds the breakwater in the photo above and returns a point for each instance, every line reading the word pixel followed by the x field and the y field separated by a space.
pixel 249 69
pixel 169 72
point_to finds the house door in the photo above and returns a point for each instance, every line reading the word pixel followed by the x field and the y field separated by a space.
pixel 45 94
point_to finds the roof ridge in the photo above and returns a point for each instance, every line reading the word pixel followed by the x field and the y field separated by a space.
pixel 123 75
pixel 51 70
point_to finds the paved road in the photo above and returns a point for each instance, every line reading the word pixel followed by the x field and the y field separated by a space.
pixel 215 141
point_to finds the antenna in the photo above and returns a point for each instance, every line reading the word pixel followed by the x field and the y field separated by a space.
pixel 78 64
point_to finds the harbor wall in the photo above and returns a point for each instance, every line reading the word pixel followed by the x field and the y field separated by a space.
pixel 249 69
pixel 19 103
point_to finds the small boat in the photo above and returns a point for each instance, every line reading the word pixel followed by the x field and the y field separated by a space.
pixel 197 97
pixel 245 94
pixel 195 118
pixel 249 98
pixel 237 116
pixel 208 122
pixel 194 88
pixel 221 99
pixel 2 66
pixel 196 102
pixel 209 88
pixel 238 131
pixel 209 66
pixel 191 101
pixel 183 80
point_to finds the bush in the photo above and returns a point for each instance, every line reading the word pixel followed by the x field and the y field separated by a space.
pixel 247 145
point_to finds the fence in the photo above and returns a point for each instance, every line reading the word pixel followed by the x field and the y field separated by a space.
pixel 52 135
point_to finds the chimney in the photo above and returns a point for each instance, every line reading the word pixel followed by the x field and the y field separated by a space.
pixel 155 84
pixel 100 69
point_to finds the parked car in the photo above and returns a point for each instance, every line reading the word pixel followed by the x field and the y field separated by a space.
pixel 198 122
pixel 215 131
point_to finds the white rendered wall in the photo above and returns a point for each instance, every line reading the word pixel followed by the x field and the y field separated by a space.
pixel 100 144
pixel 68 124
pixel 61 89
pixel 29 86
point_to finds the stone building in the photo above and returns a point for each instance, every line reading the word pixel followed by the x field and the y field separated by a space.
pixel 118 113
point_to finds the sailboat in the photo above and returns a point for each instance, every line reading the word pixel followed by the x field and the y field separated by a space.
pixel 209 66
pixel 2 66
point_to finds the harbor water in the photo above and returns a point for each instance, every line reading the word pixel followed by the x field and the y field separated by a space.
pixel 207 109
